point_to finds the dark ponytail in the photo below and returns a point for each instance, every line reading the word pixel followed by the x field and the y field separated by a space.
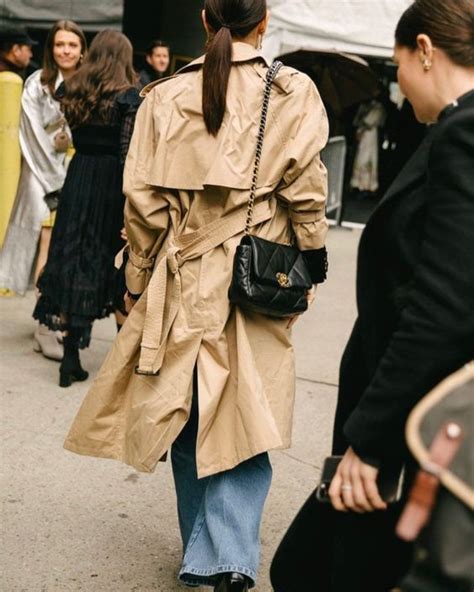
pixel 227 19
pixel 448 23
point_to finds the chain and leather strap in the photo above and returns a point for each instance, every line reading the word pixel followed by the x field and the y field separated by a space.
pixel 271 75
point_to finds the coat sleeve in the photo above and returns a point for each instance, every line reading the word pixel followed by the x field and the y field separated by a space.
pixel 36 144
pixel 146 210
pixel 435 334
pixel 304 184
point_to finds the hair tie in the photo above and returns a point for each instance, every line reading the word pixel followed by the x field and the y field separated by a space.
pixel 225 26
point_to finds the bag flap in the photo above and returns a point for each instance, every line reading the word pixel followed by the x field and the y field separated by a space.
pixel 278 265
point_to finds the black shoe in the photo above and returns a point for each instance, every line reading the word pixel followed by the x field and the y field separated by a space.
pixel 232 582
pixel 71 370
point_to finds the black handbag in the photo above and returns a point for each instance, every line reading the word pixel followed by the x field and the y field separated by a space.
pixel 268 278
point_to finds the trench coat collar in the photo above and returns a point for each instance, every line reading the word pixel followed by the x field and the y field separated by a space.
pixel 241 52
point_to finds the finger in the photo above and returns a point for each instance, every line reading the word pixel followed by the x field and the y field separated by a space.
pixel 128 303
pixel 358 490
pixel 348 497
pixel 347 488
pixel 372 491
pixel 291 322
pixel 335 494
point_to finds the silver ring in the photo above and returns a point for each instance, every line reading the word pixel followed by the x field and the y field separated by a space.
pixel 346 487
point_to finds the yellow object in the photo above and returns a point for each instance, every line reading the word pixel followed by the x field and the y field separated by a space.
pixel 50 220
pixel 10 156
pixel 6 293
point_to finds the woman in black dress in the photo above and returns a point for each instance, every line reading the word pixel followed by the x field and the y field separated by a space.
pixel 79 283
pixel 415 297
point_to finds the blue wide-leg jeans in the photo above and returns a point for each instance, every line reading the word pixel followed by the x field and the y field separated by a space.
pixel 220 515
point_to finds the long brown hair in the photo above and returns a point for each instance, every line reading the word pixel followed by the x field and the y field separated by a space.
pixel 107 70
pixel 227 19
pixel 448 23
pixel 50 69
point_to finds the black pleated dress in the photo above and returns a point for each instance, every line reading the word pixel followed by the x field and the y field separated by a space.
pixel 80 282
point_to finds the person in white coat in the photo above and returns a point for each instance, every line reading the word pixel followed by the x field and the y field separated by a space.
pixel 45 142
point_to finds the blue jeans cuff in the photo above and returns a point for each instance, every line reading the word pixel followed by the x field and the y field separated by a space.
pixel 208 577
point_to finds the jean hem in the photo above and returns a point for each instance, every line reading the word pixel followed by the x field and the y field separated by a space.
pixel 207 577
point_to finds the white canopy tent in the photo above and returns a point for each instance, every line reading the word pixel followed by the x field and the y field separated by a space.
pixel 363 27
pixel 92 15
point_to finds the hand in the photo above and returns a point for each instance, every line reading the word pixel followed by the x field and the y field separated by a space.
pixel 123 234
pixel 129 302
pixel 354 486
pixel 310 296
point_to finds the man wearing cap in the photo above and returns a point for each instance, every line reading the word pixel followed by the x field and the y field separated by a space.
pixel 15 55
pixel 15 50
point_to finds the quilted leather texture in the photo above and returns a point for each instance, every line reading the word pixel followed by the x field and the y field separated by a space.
pixel 260 269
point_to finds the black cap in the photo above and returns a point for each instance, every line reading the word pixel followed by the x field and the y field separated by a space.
pixel 18 35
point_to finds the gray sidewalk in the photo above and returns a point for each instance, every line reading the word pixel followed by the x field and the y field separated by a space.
pixel 72 523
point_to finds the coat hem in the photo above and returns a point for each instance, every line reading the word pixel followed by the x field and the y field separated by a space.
pixel 86 451
pixel 238 460
pixel 94 453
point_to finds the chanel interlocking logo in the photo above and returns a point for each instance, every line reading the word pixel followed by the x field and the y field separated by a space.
pixel 283 280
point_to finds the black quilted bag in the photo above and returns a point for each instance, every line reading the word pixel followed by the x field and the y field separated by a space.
pixel 268 278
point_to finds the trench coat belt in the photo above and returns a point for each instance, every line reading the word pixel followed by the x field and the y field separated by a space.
pixel 164 288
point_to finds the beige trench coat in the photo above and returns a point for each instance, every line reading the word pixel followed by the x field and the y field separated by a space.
pixel 187 194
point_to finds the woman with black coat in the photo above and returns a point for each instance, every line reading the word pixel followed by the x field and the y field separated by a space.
pixel 415 296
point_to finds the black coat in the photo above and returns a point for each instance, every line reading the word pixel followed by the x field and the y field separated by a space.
pixel 415 295
pixel 415 291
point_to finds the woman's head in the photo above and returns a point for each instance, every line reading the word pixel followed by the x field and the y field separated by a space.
pixel 434 49
pixel 65 46
pixel 225 21
pixel 106 70
pixel 158 56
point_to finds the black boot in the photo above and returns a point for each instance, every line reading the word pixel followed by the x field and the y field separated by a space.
pixel 232 582
pixel 71 369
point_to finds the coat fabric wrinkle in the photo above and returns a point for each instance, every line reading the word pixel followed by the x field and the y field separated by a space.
pixel 184 224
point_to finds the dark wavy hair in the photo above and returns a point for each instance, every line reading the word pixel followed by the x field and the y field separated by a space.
pixel 448 23
pixel 50 70
pixel 226 19
pixel 107 70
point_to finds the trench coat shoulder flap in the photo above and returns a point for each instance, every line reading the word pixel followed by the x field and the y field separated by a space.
pixel 225 160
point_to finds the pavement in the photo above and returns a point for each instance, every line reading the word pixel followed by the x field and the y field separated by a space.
pixel 72 523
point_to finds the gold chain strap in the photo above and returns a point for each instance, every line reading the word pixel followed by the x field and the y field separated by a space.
pixel 271 74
